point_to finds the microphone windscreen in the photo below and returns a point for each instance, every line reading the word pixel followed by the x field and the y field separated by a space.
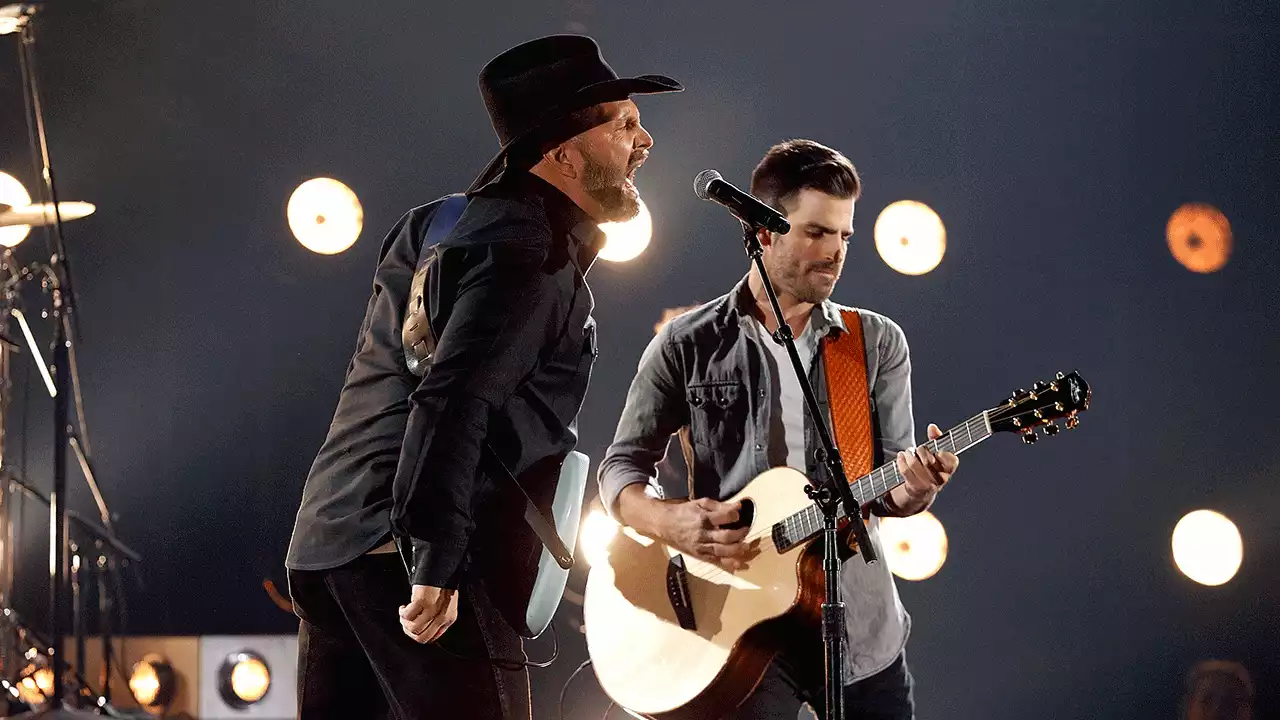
pixel 703 181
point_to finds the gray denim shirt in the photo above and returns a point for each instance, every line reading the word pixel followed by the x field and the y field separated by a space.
pixel 706 377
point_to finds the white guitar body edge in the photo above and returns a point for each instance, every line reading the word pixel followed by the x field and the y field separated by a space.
pixel 566 512
pixel 645 661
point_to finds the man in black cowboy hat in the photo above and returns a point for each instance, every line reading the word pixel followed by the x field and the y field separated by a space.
pixel 509 313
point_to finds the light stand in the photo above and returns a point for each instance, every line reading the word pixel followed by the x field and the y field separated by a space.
pixel 58 281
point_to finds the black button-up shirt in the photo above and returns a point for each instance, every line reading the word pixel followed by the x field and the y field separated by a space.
pixel 511 368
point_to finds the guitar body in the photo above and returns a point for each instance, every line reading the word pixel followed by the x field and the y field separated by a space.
pixel 649 664
pixel 566 513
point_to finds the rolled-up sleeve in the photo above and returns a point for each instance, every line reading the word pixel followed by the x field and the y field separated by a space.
pixel 506 310
pixel 655 409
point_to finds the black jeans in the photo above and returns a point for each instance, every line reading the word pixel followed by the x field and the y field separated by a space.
pixel 354 661
pixel 883 696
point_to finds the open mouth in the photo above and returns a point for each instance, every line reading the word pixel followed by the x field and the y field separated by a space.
pixel 633 168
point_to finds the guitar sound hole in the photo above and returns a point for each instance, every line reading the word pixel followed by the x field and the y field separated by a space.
pixel 746 514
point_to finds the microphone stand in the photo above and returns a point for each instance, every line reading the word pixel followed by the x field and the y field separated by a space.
pixel 828 497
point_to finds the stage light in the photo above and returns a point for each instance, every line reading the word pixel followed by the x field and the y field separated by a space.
pixel 36 686
pixel 237 673
pixel 153 683
pixel 626 240
pixel 598 530
pixel 1199 237
pixel 910 237
pixel 243 679
pixel 325 216
pixel 1207 547
pixel 915 547
pixel 12 193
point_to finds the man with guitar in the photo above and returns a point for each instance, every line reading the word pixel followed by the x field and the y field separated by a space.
pixel 715 376
pixel 472 361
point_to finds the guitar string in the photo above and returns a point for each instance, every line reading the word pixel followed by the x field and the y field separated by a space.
pixel 799 521
pixel 806 524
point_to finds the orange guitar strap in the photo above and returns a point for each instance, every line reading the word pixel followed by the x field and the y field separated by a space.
pixel 845 360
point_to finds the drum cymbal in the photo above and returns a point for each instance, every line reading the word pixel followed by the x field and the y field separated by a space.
pixel 42 213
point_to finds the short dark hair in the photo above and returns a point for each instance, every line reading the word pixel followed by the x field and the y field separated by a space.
pixel 796 165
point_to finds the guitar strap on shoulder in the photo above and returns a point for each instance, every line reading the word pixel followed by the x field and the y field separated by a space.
pixel 419 344
pixel 844 358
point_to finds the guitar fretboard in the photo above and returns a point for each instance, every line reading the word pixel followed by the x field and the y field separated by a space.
pixel 808 522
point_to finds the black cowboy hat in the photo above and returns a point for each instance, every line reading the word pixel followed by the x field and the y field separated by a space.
pixel 531 86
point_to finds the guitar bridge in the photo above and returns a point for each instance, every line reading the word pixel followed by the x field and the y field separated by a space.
pixel 678 593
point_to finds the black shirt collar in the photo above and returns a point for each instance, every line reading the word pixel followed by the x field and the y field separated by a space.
pixel 565 216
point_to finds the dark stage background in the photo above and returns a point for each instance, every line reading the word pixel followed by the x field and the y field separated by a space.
pixel 1053 139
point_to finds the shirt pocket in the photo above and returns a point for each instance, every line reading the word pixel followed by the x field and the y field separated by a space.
pixel 718 416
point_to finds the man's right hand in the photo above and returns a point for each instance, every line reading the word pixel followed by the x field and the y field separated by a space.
pixel 692 526
pixel 431 611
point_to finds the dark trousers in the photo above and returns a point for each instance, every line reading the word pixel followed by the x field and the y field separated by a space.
pixel 354 661
pixel 784 689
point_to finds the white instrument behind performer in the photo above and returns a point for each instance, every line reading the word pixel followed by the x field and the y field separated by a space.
pixel 566 513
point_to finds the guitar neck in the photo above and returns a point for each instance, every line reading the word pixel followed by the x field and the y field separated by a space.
pixel 958 439
pixel 805 524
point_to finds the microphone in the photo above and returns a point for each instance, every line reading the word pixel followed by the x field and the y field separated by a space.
pixel 708 185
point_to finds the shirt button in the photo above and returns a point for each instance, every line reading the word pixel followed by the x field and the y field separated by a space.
pixel 759 446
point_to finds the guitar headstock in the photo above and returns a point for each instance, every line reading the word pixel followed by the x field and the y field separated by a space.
pixel 1040 407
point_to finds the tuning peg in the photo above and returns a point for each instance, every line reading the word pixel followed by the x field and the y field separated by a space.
pixel 1073 422
pixel 1029 436
pixel 1060 375
pixel 1051 429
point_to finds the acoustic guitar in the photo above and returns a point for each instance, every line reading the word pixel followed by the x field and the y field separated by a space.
pixel 672 636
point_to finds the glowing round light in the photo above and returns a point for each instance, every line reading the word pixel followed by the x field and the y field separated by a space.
pixel 1207 547
pixel 250 680
pixel 243 679
pixel 144 683
pixel 325 216
pixel 910 237
pixel 36 687
pixel 598 530
pixel 626 240
pixel 153 683
pixel 1199 237
pixel 14 194
pixel 915 547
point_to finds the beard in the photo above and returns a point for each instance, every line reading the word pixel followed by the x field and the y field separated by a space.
pixel 801 282
pixel 611 188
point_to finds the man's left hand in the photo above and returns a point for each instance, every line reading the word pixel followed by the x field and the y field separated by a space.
pixel 925 471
